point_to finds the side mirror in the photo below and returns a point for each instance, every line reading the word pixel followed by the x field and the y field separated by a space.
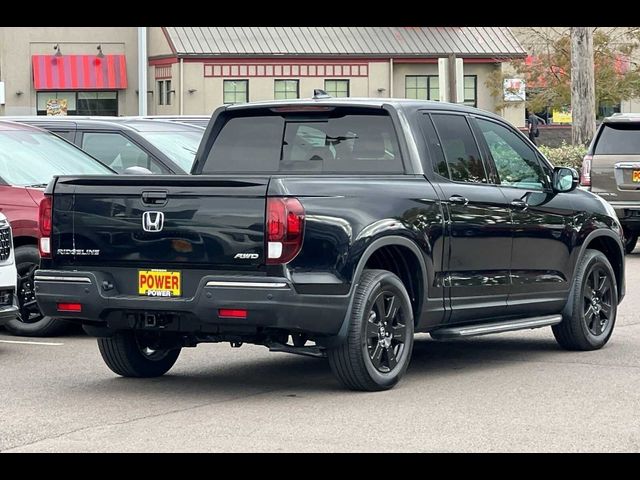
pixel 137 171
pixel 565 179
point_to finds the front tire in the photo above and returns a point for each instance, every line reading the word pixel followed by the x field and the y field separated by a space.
pixel 129 355
pixel 590 313
pixel 377 350
pixel 30 321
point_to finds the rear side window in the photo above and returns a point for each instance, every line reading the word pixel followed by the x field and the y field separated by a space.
pixel 340 141
pixel 619 140
pixel 461 153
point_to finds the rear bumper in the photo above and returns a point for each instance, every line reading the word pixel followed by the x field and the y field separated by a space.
pixel 270 303
pixel 628 213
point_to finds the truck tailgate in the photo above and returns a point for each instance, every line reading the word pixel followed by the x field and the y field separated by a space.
pixel 211 222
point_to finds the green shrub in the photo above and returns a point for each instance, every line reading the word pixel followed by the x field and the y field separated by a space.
pixel 565 155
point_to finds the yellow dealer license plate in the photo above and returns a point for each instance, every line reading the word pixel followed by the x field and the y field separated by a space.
pixel 159 283
pixel 635 176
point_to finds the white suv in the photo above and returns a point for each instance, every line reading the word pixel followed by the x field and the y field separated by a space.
pixel 8 275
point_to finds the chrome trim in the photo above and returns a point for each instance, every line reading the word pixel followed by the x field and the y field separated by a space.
pixel 496 327
pixel 45 278
pixel 214 283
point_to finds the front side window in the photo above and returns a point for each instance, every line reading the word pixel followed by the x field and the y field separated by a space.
pixel 180 145
pixel 337 88
pixel 422 87
pixel 516 163
pixel 286 89
pixel 117 151
pixel 461 152
pixel 235 91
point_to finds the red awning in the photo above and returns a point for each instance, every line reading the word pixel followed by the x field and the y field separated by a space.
pixel 79 72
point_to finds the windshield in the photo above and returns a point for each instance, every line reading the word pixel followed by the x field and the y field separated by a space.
pixel 179 145
pixel 32 158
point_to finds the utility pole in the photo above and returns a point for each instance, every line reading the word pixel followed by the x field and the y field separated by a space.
pixel 583 98
pixel 142 70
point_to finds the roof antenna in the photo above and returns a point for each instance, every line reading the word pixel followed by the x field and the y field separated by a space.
pixel 318 93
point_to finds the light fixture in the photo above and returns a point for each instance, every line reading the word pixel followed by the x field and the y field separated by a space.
pixel 382 89
pixel 192 90
pixel 57 49
pixel 19 92
pixel 100 54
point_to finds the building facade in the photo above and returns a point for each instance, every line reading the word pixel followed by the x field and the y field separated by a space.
pixel 77 75
pixel 193 70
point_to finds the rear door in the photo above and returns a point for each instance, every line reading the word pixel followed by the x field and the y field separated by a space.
pixel 479 223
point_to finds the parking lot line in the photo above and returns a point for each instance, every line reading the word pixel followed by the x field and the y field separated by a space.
pixel 24 342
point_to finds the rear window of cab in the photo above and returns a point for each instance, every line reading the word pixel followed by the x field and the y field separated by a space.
pixel 333 140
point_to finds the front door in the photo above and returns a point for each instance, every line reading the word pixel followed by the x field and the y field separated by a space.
pixel 478 222
pixel 540 263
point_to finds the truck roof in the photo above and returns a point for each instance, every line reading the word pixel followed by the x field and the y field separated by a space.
pixel 372 102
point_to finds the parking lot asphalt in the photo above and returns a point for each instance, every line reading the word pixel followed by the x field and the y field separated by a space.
pixel 509 392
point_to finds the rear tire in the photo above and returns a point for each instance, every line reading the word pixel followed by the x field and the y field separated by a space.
pixel 30 322
pixel 590 313
pixel 126 355
pixel 377 350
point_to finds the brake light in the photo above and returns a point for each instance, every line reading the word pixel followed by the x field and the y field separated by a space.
pixel 285 229
pixel 232 313
pixel 70 307
pixel 45 221
pixel 585 174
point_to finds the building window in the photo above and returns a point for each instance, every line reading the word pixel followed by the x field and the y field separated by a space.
pixel 78 103
pixel 337 88
pixel 422 87
pixel 285 89
pixel 164 92
pixel 471 90
pixel 235 91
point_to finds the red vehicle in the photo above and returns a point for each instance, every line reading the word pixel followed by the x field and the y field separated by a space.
pixel 29 158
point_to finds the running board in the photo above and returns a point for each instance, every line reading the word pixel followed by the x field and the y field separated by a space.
pixel 495 327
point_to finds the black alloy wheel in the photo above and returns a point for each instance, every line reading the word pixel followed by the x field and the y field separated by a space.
pixel 386 331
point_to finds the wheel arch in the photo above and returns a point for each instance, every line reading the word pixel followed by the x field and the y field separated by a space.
pixel 610 245
pixel 387 244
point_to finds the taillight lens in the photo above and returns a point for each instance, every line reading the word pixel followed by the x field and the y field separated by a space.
pixel 285 229
pixel 44 221
pixel 585 174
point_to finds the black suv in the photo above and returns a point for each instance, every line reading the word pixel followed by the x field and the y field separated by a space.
pixel 334 228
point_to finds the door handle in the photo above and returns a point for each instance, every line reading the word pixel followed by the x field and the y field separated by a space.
pixel 458 199
pixel 519 204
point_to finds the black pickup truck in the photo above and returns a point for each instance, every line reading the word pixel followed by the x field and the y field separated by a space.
pixel 333 228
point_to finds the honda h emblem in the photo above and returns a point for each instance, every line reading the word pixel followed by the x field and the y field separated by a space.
pixel 152 221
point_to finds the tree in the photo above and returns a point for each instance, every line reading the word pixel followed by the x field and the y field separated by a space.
pixel 583 106
pixel 547 69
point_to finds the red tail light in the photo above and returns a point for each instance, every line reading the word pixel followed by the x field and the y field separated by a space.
pixel 285 229
pixel 585 174
pixel 70 307
pixel 232 313
pixel 45 220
